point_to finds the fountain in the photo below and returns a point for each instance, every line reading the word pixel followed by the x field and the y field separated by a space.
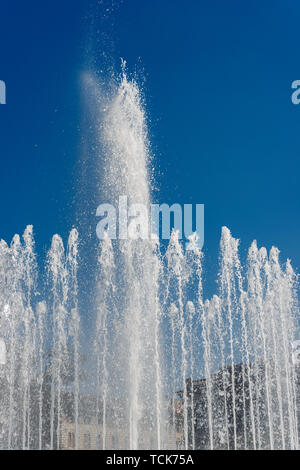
pixel 172 369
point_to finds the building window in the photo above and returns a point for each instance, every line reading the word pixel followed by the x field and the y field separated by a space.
pixel 71 440
pixel 87 440
pixel 87 419
pixel 99 442
pixel 115 442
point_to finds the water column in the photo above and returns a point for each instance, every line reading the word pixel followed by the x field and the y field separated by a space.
pixel 7 285
pixel 29 331
pixel 191 313
pixel 106 303
pixel 282 307
pixel 176 267
pixel 229 262
pixel 41 310
pixel 58 275
pixel 207 321
pixel 123 136
pixel 74 329
pixel 21 337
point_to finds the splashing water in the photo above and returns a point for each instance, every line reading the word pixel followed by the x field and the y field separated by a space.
pixel 173 370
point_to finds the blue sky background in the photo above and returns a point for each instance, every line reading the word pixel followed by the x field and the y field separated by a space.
pixel 218 90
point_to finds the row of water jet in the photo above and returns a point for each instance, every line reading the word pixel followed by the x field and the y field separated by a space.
pixel 174 369
pixel 232 368
pixel 171 369
pixel 36 336
pixel 64 324
pixel 223 373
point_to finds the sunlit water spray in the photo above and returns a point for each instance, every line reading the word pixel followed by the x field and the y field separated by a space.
pixel 172 369
pixel 133 277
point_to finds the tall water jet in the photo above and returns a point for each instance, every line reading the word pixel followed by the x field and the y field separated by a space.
pixel 105 303
pixel 123 135
pixel 41 310
pixel 72 267
pixel 59 287
pixel 229 263
pixel 176 265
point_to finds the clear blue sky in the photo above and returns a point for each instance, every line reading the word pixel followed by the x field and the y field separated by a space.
pixel 218 89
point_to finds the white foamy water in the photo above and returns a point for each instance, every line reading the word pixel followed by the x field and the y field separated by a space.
pixel 172 369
